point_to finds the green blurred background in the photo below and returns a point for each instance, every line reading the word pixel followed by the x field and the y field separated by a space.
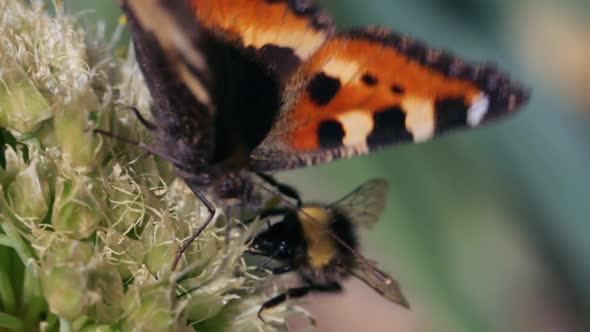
pixel 487 230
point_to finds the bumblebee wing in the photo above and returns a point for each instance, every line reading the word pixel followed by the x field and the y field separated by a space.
pixel 365 204
pixel 381 282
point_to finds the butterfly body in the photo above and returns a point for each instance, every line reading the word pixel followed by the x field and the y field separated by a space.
pixel 209 148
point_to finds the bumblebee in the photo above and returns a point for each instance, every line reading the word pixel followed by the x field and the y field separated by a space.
pixel 319 242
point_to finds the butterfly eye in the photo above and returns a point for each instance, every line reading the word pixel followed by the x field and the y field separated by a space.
pixel 226 185
pixel 231 187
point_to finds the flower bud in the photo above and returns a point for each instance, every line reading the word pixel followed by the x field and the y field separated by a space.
pixel 74 211
pixel 187 215
pixel 163 238
pixel 207 301
pixel 150 308
pixel 158 236
pixel 127 200
pixel 106 282
pixel 22 107
pixel 61 251
pixel 15 163
pixel 77 144
pixel 97 328
pixel 124 253
pixel 27 194
pixel 66 291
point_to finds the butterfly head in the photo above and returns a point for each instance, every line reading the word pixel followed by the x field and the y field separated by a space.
pixel 233 189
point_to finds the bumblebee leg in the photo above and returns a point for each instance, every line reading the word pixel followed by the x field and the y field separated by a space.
pixel 277 270
pixel 284 189
pixel 291 293
pixel 212 210
pixel 265 262
pixel 267 214
pixel 330 287
pixel 283 269
pixel 333 287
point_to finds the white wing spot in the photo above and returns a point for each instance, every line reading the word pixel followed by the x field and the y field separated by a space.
pixel 357 125
pixel 341 68
pixel 419 118
pixel 478 110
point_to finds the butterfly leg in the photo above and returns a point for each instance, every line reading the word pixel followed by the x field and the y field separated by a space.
pixel 212 211
pixel 140 145
pixel 284 189
pixel 145 122
pixel 283 269
pixel 265 214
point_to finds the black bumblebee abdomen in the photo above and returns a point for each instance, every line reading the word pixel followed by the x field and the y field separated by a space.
pixel 344 229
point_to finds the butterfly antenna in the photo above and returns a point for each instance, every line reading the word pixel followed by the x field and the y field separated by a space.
pixel 355 253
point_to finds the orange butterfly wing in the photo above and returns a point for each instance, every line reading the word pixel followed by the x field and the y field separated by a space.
pixel 279 34
pixel 369 88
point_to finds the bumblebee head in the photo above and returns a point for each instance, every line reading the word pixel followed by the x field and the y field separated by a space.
pixel 281 240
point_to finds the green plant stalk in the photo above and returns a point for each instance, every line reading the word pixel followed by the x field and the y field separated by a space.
pixel 10 322
pixel 6 241
pixel 32 299
pixel 65 325
pixel 23 249
pixel 7 296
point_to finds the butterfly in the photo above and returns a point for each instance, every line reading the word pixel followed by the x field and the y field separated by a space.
pixel 249 86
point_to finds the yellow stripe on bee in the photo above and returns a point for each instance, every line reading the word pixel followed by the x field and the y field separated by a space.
pixel 315 221
pixel 123 20
pixel 419 117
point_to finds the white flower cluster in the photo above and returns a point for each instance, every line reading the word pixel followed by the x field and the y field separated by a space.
pixel 89 225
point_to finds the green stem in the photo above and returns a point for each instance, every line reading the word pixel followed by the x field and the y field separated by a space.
pixel 78 323
pixel 10 322
pixel 64 325
pixel 22 248
pixel 32 299
pixel 52 322
pixel 5 241
pixel 7 296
